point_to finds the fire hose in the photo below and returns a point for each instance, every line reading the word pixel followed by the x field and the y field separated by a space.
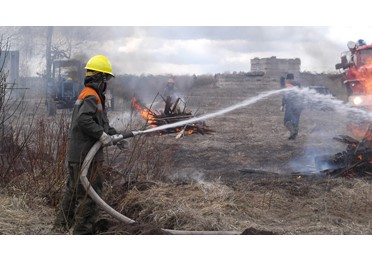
pixel 99 201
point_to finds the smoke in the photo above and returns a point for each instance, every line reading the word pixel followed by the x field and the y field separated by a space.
pixel 319 136
pixel 326 125
pixel 244 103
pixel 188 175
pixel 149 90
pixel 120 121
pixel 305 163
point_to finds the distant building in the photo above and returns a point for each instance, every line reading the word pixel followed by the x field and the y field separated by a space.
pixel 276 67
pixel 10 60
pixel 9 64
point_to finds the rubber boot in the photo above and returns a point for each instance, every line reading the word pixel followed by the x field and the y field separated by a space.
pixel 295 132
pixel 291 129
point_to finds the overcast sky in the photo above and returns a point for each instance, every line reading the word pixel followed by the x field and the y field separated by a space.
pixel 217 49
pixel 196 38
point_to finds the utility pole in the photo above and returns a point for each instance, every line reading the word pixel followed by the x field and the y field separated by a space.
pixel 49 52
pixel 51 105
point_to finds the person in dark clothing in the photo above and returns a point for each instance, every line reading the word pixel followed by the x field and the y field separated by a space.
pixel 169 90
pixel 89 124
pixel 292 105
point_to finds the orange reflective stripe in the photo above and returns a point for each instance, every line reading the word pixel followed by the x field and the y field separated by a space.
pixel 88 91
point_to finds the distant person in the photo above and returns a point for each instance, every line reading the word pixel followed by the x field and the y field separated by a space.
pixel 282 82
pixel 169 90
pixel 292 105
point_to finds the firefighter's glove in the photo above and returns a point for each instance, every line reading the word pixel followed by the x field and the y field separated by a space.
pixel 123 144
pixel 105 139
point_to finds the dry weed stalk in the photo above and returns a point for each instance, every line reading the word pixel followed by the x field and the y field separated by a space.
pixel 186 207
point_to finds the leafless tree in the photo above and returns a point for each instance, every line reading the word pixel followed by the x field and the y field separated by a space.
pixel 64 42
pixel 6 108
pixel 4 47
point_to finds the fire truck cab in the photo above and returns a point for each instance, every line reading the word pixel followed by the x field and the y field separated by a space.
pixel 356 67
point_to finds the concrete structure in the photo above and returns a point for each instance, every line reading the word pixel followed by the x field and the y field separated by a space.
pixel 276 67
pixel 9 63
pixel 10 60
pixel 271 73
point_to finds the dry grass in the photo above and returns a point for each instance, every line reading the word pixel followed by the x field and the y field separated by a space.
pixel 17 218
pixel 203 206
pixel 281 206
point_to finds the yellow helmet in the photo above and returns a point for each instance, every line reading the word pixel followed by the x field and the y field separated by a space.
pixel 99 63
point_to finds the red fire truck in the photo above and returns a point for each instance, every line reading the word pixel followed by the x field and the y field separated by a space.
pixel 356 66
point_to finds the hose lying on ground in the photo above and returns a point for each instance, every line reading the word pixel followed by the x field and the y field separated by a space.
pixel 99 201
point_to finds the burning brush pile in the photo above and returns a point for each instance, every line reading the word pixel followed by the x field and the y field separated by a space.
pixel 171 114
pixel 354 161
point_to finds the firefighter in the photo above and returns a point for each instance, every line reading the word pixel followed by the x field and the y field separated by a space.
pixel 170 98
pixel 292 105
pixel 89 124
pixel 169 89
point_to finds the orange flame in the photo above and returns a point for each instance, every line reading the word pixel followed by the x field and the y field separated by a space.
pixel 154 120
pixel 363 75
pixel 146 113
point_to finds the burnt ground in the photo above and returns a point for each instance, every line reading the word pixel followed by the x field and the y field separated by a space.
pixel 246 178
pixel 250 152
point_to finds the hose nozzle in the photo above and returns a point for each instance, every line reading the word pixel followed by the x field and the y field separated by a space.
pixel 117 138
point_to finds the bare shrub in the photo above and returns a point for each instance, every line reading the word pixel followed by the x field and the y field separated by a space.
pixel 149 158
pixel 9 114
pixel 32 152
pixel 39 167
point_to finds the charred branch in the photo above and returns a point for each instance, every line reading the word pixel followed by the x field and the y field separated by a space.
pixel 172 113
pixel 354 161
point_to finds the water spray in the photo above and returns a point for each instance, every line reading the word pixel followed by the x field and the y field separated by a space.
pixel 311 94
pixel 249 101
pixel 117 138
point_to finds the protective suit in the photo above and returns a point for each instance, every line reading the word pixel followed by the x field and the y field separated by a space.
pixel 292 105
pixel 89 123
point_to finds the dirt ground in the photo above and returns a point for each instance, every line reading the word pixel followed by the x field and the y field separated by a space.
pixel 246 178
